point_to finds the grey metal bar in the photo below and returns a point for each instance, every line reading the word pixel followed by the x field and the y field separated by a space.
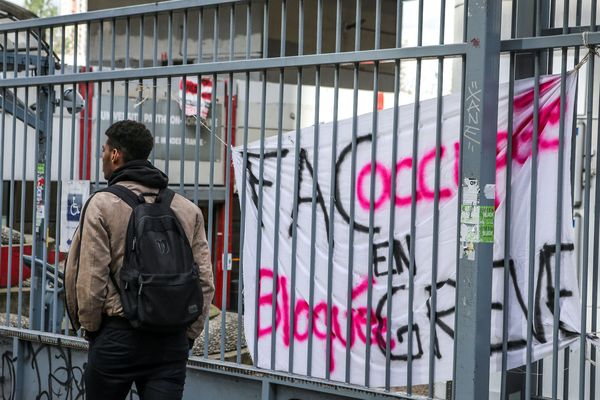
pixel 311 285
pixel 413 207
pixel 295 224
pixel 393 181
pixel 244 185
pixel 358 29
pixel 307 60
pixel 507 225
pixel 229 135
pixel 170 38
pixel 595 263
pixel 243 216
pixel 275 265
pixel 586 221
pixel 227 210
pixel 142 35
pixel 86 110
pixel 121 12
pixel 212 155
pixel 57 233
pixel 11 200
pixel 331 233
pixel 168 132
pixel 436 202
pixel 113 23
pixel 184 102
pixel 23 198
pixel 216 34
pixel 472 329
pixel 260 205
pixel 2 141
pixel 559 216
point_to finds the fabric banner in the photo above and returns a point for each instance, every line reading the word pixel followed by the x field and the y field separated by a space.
pixel 319 261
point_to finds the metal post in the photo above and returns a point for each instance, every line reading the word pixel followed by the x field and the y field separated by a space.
pixel 474 284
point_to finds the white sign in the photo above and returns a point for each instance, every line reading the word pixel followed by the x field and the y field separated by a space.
pixel 74 196
pixel 478 225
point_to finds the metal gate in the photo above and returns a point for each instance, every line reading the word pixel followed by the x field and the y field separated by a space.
pixel 215 80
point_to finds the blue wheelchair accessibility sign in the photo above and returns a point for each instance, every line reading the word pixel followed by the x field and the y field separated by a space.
pixel 74 206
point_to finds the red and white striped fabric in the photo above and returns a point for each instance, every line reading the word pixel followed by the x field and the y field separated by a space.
pixel 191 96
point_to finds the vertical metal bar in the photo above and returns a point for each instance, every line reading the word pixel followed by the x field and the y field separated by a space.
pixel 11 202
pixel 311 285
pixel 2 141
pixel 350 285
pixel 98 109
pixel 55 323
pixel 184 103
pixel 127 48
pixel 140 88
pixel 57 233
pixel 331 236
pixel 436 203
pixel 277 212
pixel 168 121
pixel 507 235
pixel 298 118
pixel 559 216
pixel 586 218
pixel 113 23
pixel 392 210
pixel 74 88
pixel 413 206
pixel 142 34
pixel 507 213
pixel 182 134
pixel 170 38
pixel 244 185
pixel 260 204
pixel 595 262
pixel 213 132
pixel 154 87
pixel 472 329
pixel 87 110
pixel 228 141
pixel 265 36
pixel 24 182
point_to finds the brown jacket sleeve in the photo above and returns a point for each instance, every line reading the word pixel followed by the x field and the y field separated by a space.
pixel 94 267
pixel 205 279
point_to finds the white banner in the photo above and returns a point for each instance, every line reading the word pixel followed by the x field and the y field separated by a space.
pixel 294 264
pixel 74 196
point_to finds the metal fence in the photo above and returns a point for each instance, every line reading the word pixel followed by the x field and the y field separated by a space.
pixel 215 80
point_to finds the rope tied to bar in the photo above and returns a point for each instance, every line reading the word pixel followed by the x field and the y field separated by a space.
pixel 592 50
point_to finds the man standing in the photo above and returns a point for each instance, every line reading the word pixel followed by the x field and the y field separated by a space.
pixel 120 354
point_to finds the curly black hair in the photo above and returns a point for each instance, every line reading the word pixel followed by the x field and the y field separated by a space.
pixel 132 138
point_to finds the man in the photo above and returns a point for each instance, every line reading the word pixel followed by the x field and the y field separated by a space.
pixel 118 353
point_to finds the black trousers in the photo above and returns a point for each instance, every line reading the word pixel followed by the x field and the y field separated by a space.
pixel 119 356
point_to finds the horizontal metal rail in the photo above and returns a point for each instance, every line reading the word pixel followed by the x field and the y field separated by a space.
pixel 238 66
pixel 124 12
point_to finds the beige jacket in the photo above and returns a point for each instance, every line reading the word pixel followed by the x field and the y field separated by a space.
pixel 90 292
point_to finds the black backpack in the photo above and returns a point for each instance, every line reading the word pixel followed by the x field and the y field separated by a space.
pixel 158 281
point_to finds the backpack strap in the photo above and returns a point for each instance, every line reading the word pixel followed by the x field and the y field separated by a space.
pixel 125 194
pixel 165 196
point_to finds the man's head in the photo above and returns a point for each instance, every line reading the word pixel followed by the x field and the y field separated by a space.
pixel 125 141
